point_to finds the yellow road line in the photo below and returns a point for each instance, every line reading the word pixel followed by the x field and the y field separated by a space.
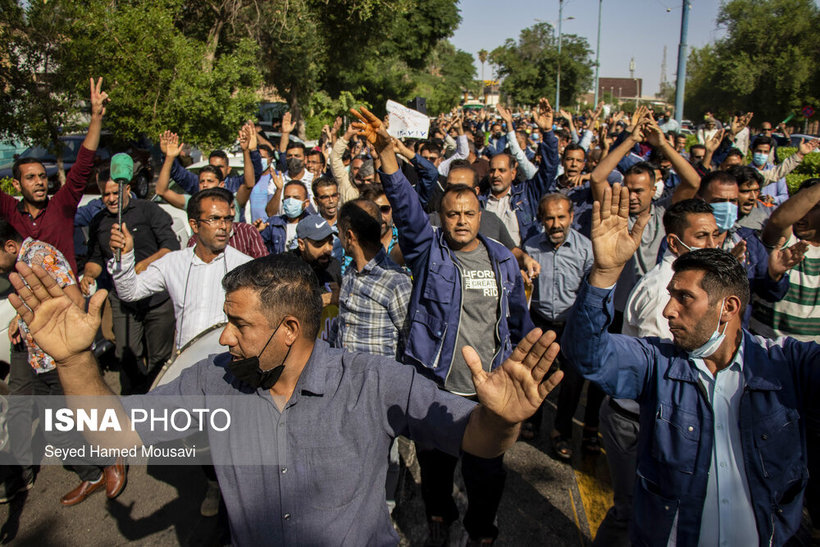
pixel 577 521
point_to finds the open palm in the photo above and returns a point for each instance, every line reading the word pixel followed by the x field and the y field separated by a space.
pixel 59 327
pixel 516 389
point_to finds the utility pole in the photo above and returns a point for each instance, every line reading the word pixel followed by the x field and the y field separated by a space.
pixel 680 83
pixel 597 54
pixel 558 83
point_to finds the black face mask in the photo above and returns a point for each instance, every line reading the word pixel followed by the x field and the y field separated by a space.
pixel 248 371
pixel 295 166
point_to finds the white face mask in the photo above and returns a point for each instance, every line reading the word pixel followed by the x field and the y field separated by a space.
pixel 688 248
pixel 658 190
pixel 714 341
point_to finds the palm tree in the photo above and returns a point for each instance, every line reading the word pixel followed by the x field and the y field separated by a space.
pixel 482 57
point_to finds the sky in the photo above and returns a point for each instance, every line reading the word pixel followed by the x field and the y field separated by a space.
pixel 629 28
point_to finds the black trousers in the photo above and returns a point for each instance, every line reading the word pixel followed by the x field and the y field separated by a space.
pixel 483 478
pixel 145 341
pixel 23 383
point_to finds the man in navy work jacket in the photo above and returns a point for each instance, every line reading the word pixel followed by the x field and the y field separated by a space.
pixel 467 290
pixel 721 452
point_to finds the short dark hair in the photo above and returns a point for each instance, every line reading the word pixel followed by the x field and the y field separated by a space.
pixel 640 168
pixel 556 196
pixel 195 203
pixel 734 152
pixel 298 183
pixel 19 162
pixel 286 286
pixel 723 274
pixel 762 140
pixel 353 217
pixel 314 152
pixel 372 192
pixel 720 177
pixel 216 171
pixel 7 232
pixel 322 182
pixel 430 146
pixel 562 134
pixel 266 148
pixel 572 147
pixel 674 219
pixel 219 154
pixel 697 146
pixel 294 144
pixel 746 173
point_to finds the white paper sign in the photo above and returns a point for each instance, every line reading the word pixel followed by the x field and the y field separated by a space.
pixel 406 122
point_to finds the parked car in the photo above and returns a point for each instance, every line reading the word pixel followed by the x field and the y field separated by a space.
pixel 796 138
pixel 138 150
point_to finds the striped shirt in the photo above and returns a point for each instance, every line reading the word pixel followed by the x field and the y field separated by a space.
pixel 798 314
pixel 373 307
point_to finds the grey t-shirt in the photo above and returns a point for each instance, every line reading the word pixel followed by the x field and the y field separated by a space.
pixel 479 313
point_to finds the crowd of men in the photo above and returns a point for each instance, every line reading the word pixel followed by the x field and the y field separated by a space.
pixel 682 283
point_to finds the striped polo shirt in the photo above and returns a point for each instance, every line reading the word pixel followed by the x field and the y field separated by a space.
pixel 798 314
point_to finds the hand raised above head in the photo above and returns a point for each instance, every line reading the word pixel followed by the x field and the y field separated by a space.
pixel 371 128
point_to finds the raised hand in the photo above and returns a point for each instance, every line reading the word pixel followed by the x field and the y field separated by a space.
pixel 654 135
pixel 515 390
pixel 243 138
pixel 543 115
pixel 782 260
pixel 371 128
pixel 402 149
pixel 287 124
pixel 739 251
pixel 613 244
pixel 170 145
pixel 808 147
pixel 59 327
pixel 713 142
pixel 740 122
pixel 260 224
pixel 98 99
pixel 121 239
pixel 337 124
pixel 506 115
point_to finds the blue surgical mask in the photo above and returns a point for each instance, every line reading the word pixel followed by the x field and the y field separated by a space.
pixel 265 164
pixel 760 159
pixel 292 207
pixel 714 341
pixel 725 214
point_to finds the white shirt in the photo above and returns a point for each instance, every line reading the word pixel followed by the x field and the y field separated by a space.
pixel 728 517
pixel 307 182
pixel 195 286
pixel 643 315
pixel 501 207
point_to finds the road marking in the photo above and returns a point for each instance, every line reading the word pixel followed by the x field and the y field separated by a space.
pixel 575 514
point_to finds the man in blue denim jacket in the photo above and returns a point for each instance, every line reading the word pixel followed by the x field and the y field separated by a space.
pixel 467 290
pixel 721 453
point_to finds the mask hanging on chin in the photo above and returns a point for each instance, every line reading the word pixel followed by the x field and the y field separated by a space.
pixel 247 370
pixel 714 341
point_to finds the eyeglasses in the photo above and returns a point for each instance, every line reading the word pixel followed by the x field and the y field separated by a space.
pixel 385 208
pixel 216 221
pixel 328 196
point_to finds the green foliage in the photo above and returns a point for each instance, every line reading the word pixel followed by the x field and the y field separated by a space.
pixel 529 67
pixel 766 63
pixel 7 187
pixel 322 110
pixel 807 169
pixel 156 77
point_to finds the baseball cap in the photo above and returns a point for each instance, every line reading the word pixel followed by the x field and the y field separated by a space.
pixel 313 227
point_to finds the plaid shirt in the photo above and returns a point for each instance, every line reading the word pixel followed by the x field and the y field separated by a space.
pixel 39 253
pixel 373 307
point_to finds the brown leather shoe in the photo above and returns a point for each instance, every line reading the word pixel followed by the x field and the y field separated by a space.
pixel 85 489
pixel 115 478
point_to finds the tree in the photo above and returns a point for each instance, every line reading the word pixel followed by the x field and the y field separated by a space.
pixel 528 68
pixel 766 63
pixel 482 58
pixel 152 72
